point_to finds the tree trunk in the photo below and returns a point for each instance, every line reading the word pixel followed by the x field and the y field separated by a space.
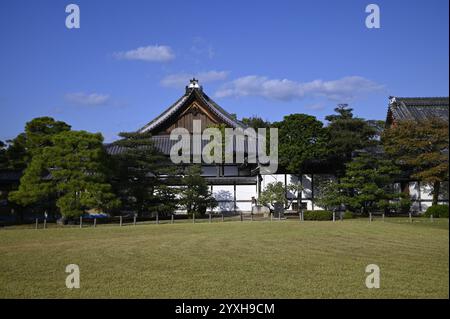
pixel 436 190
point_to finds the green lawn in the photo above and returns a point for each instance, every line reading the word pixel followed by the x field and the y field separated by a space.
pixel 279 259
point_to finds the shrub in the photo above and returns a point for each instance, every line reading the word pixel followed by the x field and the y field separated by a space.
pixel 348 215
pixel 318 215
pixel 438 211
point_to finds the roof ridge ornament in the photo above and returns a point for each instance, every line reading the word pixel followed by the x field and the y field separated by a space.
pixel 193 84
pixel 392 99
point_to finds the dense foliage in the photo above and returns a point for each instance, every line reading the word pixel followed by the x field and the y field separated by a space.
pixel 420 148
pixel 301 138
pixel 318 215
pixel 195 195
pixel 71 170
pixel 438 211
pixel 142 176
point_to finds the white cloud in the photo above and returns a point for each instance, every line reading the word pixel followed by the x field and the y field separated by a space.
pixel 151 53
pixel 89 99
pixel 201 47
pixel 344 89
pixel 181 79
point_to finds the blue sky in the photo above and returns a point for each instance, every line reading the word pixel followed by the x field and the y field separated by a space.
pixel 131 59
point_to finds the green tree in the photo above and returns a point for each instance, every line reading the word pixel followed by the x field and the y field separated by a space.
pixel 274 194
pixel 255 122
pixel 348 134
pixel 143 175
pixel 367 183
pixel 330 195
pixel 39 133
pixel 71 168
pixel 422 149
pixel 195 195
pixel 16 154
pixel 301 138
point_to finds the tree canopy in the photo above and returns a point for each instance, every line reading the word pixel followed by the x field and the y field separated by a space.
pixel 366 186
pixel 195 195
pixel 70 169
pixel 422 149
pixel 301 138
pixel 143 175
pixel 346 135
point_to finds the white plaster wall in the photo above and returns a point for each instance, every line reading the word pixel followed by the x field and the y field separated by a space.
pixel 307 186
pixel 414 190
pixel 309 205
pixel 244 206
pixel 246 192
pixel 271 179
pixel 425 191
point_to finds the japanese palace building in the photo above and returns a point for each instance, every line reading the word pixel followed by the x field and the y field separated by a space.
pixel 237 186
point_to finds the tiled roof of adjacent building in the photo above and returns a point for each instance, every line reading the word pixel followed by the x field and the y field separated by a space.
pixel 417 108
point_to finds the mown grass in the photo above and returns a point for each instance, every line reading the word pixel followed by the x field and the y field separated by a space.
pixel 279 259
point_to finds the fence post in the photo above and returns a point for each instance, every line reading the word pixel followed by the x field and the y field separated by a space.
pixel 209 217
pixel 37 222
pixel 134 220
pixel 45 223
pixel 279 216
pixel 370 217
pixel 251 216
pixel 271 216
pixel 157 217
pixel 95 222
pixel 431 217
pixel 171 219
pixel 334 216
pixel 410 217
pixel 81 221
pixel 241 217
pixel 382 217
pixel 223 219
pixel 121 221
pixel 193 218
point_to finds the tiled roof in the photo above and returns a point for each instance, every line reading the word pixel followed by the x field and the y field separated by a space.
pixel 417 109
pixel 162 143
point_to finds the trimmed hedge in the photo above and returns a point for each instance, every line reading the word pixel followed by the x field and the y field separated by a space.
pixel 318 215
pixel 348 215
pixel 438 211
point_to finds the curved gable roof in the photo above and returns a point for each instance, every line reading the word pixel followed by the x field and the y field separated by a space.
pixel 184 102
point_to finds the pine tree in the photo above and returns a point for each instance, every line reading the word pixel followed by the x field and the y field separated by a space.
pixel 144 175
pixel 70 169
pixel 195 196
pixel 367 185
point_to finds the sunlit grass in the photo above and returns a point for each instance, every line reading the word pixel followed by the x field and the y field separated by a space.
pixel 260 259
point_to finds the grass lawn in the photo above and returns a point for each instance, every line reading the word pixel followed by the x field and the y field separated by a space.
pixel 279 259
